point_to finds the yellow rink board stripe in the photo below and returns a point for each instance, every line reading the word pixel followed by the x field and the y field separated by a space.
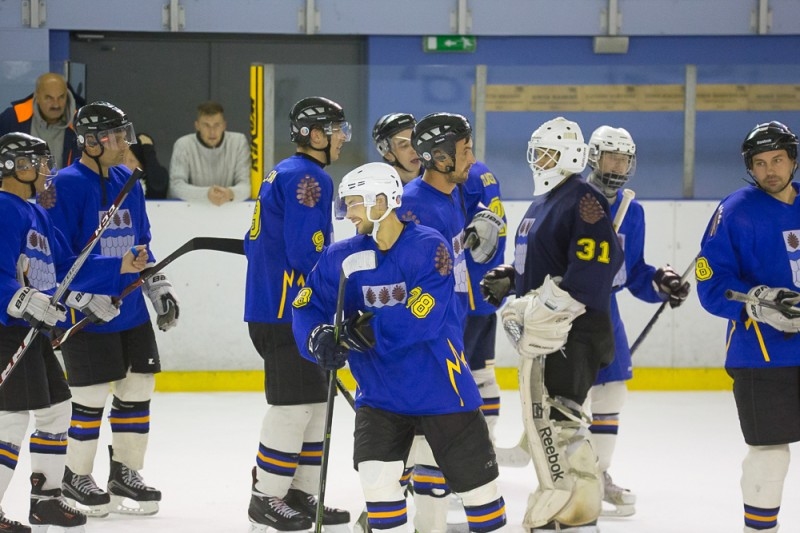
pixel 652 379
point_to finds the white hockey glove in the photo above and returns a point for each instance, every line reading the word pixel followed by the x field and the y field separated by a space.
pixel 34 307
pixel 482 234
pixel 782 321
pixel 165 302
pixel 538 323
pixel 668 282
pixel 98 308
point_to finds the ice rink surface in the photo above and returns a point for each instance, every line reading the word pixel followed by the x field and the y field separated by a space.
pixel 680 452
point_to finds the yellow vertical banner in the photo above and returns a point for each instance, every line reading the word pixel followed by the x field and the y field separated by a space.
pixel 256 128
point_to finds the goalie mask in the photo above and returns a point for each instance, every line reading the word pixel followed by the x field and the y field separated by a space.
pixel 369 181
pixel 439 132
pixel 105 125
pixel 555 152
pixel 20 152
pixel 766 138
pixel 612 157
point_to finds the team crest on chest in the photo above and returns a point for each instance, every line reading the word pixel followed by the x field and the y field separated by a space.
pixel 791 239
pixel 385 295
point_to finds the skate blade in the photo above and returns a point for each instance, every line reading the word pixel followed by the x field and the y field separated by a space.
pixel 47 528
pixel 620 511
pixel 568 529
pixel 92 511
pixel 336 528
pixel 264 528
pixel 126 506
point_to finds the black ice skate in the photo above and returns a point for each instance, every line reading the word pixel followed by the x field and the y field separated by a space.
pixel 48 508
pixel 126 486
pixel 82 492
pixel 12 526
pixel 307 504
pixel 271 511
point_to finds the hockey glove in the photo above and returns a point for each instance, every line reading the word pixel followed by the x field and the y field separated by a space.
pixel 780 320
pixel 668 283
pixel 322 344
pixel 98 308
pixel 356 332
pixel 34 307
pixel 164 300
pixel 482 234
pixel 497 283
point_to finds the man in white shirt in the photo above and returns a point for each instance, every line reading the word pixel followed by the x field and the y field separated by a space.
pixel 212 163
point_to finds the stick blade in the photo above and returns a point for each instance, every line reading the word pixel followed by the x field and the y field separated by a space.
pixel 363 260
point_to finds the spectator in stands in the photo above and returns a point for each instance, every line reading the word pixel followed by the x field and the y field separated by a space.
pixel 46 114
pixel 143 155
pixel 212 163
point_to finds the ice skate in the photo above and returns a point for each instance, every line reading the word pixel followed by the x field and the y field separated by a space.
pixel 621 501
pixel 333 520
pixel 48 508
pixel 82 492
pixel 128 492
pixel 12 526
pixel 270 511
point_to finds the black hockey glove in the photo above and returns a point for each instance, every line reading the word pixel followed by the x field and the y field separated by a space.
pixel 497 283
pixel 356 332
pixel 668 282
pixel 322 344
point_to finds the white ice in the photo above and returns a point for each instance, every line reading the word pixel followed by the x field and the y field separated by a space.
pixel 680 452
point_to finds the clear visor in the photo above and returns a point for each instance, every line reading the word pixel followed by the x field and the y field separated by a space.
pixel 340 206
pixel 115 139
pixel 339 127
pixel 42 164
pixel 540 158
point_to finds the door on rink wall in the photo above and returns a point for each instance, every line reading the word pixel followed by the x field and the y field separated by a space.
pixel 158 79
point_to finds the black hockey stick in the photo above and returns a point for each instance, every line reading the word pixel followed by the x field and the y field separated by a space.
pixel 219 244
pixel 660 310
pixel 73 271
pixel 364 260
pixel 789 311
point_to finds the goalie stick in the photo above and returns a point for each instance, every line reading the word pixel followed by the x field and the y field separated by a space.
pixel 519 455
pixel 219 244
pixel 73 271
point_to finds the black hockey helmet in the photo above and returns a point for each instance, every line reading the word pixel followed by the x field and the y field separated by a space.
pixel 315 112
pixel 20 151
pixel 439 131
pixel 767 137
pixel 387 127
pixel 99 120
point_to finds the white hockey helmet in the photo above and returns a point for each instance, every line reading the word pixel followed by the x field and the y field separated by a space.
pixel 368 181
pixel 606 139
pixel 556 151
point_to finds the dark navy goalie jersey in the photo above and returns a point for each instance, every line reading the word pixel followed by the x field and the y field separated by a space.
pixel 567 232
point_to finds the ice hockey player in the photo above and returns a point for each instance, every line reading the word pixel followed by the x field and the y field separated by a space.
pixel 612 157
pixel 292 224
pixel 34 258
pixel 120 357
pixel 409 287
pixel 566 256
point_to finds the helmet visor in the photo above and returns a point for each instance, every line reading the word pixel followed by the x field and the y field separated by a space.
pixel 42 164
pixel 117 138
pixel 336 127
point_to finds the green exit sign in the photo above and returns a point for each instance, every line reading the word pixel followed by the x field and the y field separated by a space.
pixel 449 43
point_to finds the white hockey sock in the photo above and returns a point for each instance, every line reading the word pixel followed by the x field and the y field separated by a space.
pixel 308 469
pixel 281 442
pixel 48 443
pixel 763 473
pixel 84 430
pixel 13 425
pixel 606 402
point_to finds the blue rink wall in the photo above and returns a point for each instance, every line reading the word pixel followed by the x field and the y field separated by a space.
pixel 210 350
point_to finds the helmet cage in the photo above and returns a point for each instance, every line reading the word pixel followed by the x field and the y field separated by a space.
pixel 369 181
pixel 618 144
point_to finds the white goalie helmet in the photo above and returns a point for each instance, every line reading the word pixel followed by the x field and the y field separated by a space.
pixel 621 163
pixel 555 152
pixel 368 181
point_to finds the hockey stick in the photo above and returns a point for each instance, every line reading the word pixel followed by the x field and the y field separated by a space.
pixel 519 455
pixel 364 260
pixel 789 311
pixel 660 310
pixel 73 271
pixel 232 246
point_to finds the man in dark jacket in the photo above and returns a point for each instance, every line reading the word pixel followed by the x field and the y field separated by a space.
pixel 47 114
